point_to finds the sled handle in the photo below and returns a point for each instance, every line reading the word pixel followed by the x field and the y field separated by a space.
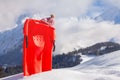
pixel 26 41
pixel 54 46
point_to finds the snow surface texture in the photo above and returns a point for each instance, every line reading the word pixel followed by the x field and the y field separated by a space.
pixel 10 39
pixel 105 67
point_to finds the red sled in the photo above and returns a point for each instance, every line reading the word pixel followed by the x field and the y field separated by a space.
pixel 38 43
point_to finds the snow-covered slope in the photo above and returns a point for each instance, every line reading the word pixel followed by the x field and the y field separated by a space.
pixel 105 61
pixel 11 38
pixel 105 67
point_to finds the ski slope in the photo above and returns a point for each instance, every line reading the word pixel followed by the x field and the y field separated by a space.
pixel 105 67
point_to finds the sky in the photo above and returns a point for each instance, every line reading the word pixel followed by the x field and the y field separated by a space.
pixel 74 26
pixel 12 9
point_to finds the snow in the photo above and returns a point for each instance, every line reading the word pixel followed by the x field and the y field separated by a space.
pixel 103 48
pixel 86 58
pixel 13 77
pixel 72 31
pixel 10 39
pixel 105 67
pixel 105 61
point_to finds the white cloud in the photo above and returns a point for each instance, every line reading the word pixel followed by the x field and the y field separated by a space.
pixel 71 7
pixel 73 33
pixel 12 9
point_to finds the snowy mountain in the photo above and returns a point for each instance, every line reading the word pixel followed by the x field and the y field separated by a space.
pixel 11 44
pixel 100 48
pixel 110 14
pixel 12 38
pixel 105 67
